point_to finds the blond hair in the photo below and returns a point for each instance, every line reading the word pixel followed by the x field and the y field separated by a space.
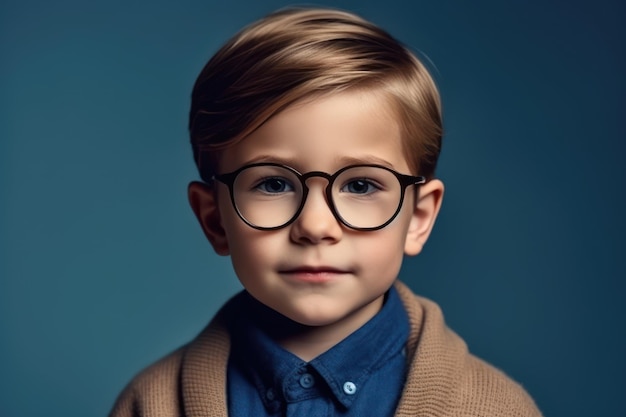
pixel 295 54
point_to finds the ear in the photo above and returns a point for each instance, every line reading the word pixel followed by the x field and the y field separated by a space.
pixel 203 201
pixel 424 216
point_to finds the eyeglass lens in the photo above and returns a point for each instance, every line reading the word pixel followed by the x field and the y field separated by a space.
pixel 269 196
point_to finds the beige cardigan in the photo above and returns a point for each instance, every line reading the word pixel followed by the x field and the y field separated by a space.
pixel 444 379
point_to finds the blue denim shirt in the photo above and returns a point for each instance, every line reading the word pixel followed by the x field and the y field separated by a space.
pixel 363 375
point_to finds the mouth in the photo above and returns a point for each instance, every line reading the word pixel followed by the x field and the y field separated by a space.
pixel 313 274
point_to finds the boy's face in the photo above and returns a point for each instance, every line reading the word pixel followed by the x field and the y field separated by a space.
pixel 317 271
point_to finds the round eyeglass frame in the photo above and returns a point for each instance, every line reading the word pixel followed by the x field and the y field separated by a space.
pixel 405 180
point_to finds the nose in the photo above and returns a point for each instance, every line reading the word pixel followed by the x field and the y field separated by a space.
pixel 316 223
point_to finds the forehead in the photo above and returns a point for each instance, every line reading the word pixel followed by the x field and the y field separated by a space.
pixel 325 133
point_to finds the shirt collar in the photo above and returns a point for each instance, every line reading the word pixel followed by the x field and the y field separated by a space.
pixel 345 367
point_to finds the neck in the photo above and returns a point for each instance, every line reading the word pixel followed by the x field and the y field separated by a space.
pixel 308 342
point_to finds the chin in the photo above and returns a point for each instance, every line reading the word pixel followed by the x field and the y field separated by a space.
pixel 313 319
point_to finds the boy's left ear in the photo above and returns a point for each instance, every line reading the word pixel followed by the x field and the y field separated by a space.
pixel 424 216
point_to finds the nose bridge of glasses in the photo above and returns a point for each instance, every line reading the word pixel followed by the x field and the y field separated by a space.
pixel 325 188
pixel 313 174
pixel 306 177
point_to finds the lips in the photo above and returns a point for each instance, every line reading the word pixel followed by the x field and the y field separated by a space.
pixel 313 274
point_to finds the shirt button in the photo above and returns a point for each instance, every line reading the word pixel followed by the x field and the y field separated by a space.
pixel 349 388
pixel 307 381
pixel 270 395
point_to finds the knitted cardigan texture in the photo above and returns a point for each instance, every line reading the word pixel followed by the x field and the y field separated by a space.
pixel 443 379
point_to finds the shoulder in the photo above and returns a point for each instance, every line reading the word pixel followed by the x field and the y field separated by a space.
pixel 488 391
pixel 159 380
pixel 189 379
pixel 445 378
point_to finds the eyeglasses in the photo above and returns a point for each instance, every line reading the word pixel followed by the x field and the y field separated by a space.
pixel 269 196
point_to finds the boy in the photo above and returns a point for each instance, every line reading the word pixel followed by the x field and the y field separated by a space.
pixel 317 136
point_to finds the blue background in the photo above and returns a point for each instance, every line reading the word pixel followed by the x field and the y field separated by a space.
pixel 103 268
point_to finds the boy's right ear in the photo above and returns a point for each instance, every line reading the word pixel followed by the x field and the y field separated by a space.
pixel 203 201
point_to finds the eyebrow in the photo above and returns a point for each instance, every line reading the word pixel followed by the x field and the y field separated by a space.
pixel 343 161
pixel 272 159
pixel 365 159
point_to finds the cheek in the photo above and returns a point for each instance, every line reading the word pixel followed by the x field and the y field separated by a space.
pixel 251 250
pixel 382 252
pixel 240 236
pixel 387 249
pixel 248 259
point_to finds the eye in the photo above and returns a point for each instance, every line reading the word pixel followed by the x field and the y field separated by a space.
pixel 360 186
pixel 274 185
